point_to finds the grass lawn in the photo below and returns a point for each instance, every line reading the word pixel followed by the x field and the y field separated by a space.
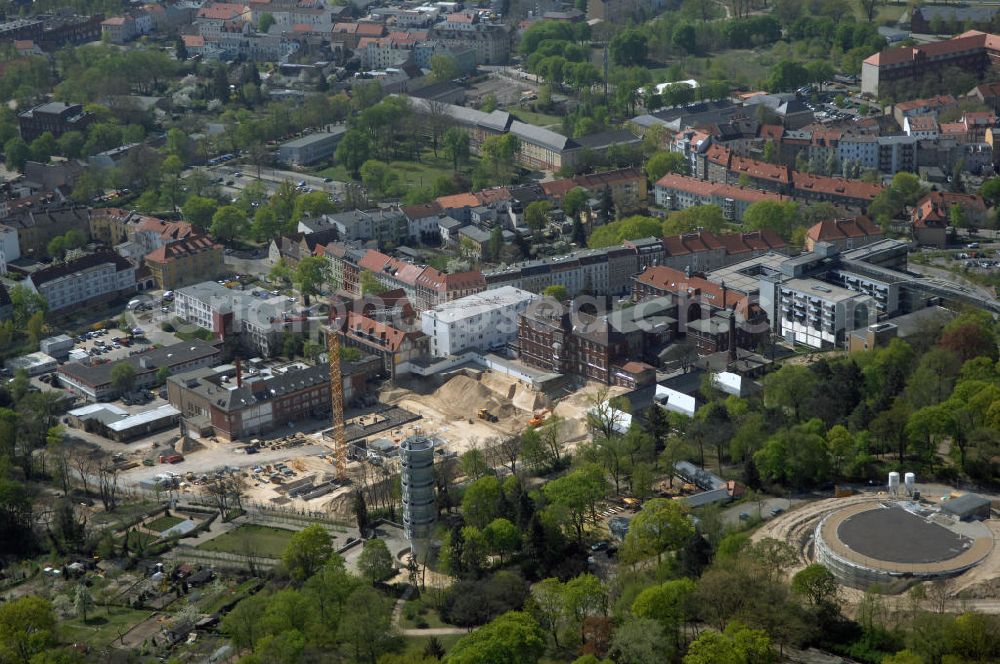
pixel 411 173
pixel 538 119
pixel 415 644
pixel 163 523
pixel 267 542
pixel 200 333
pixel 102 626
pixel 124 513
pixel 430 617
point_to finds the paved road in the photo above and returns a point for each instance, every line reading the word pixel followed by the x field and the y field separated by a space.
pixel 946 275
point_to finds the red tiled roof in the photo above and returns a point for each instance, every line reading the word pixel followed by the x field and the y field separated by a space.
pixel 460 281
pixel 458 201
pixel 855 189
pixel 705 188
pixel 634 367
pixel 928 103
pixel 674 281
pixel 370 29
pixel 922 123
pixel 369 330
pixel 221 11
pixel 345 28
pixel 841 229
pixel 422 210
pixel 773 132
pixel 461 17
pixel 181 249
pixel 114 20
pixel 559 188
pixel 760 170
pixel 195 41
pixel 493 195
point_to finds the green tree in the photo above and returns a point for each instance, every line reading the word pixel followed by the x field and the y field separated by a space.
pixel 709 217
pixel 575 201
pixel 661 527
pixel 639 641
pixel 780 217
pixel 265 22
pixel 27 627
pixel 664 162
pixel 513 638
pixel 503 538
pixel 630 228
pixel 307 551
pixel 228 222
pixel 455 143
pixel 668 604
pixel 16 152
pixel 70 144
pixel 83 601
pixel 43 147
pixel 480 501
pixel 353 151
pixel 489 103
pixel 817 584
pixel 378 178
pixel 628 48
pixel 123 377
pixel 367 628
pixel 736 645
pixel 536 214
pixel 375 561
pixel 789 387
pixel 199 211
pixel 443 67
pixel 575 495
pixel 311 274
pixel 556 291
pixel 370 285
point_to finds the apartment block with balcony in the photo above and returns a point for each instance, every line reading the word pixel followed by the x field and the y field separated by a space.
pixel 820 315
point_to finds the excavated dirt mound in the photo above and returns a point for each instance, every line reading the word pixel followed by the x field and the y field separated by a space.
pixel 463 396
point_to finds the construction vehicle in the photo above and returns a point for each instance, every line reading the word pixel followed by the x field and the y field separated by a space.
pixel 538 417
pixel 485 414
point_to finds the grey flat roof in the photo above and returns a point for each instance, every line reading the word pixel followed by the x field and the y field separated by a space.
pixel 544 137
pixel 318 137
pixel 896 535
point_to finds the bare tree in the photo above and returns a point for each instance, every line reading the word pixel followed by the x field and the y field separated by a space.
pixel 602 416
pixel 85 465
pixel 870 8
pixel 445 472
pixel 438 122
pixel 107 481
pixel 226 491
pixel 508 449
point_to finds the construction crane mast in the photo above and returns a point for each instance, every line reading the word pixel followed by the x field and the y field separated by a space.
pixel 337 403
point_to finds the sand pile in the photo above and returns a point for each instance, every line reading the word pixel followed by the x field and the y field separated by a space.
pixel 463 396
pixel 529 400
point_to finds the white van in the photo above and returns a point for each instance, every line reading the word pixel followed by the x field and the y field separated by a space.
pixel 132 304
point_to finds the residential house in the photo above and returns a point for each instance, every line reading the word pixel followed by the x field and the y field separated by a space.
pixel 679 192
pixel 932 215
pixel 481 322
pixel 95 278
pixel 844 234
pixel 36 228
pixel 392 345
pixel 185 262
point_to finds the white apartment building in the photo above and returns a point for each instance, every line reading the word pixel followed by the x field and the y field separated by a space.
pixel 821 315
pixel 10 247
pixel 862 149
pixel 484 321
pixel 74 284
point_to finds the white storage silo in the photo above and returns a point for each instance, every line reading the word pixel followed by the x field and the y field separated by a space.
pixel 909 481
pixel 893 482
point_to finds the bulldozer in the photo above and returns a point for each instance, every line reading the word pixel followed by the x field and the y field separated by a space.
pixel 485 414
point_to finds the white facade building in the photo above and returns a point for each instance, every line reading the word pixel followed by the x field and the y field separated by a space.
pixel 477 322
pixel 820 315
pixel 75 283
pixel 10 248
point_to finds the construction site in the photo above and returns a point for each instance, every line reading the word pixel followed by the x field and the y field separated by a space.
pixel 316 468
pixel 895 537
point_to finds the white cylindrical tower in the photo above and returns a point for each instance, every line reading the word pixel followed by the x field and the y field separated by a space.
pixel 910 482
pixel 416 455
pixel 893 482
